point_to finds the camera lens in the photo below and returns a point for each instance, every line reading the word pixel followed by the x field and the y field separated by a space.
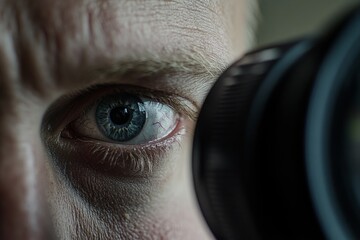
pixel 330 135
pixel 277 144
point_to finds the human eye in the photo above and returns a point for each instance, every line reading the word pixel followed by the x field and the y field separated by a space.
pixel 121 131
pixel 123 118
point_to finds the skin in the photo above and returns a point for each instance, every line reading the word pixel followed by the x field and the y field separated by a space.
pixel 52 184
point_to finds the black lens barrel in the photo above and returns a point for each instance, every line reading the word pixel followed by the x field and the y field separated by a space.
pixel 250 155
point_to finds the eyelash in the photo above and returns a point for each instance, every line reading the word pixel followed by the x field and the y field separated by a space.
pixel 115 158
pixel 171 100
pixel 136 160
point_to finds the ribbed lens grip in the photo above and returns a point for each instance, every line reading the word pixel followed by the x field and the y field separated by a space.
pixel 219 135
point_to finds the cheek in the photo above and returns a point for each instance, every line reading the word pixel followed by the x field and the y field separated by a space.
pixel 177 219
pixel 84 207
pixel 176 215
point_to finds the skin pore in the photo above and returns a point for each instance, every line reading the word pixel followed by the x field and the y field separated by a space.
pixel 59 176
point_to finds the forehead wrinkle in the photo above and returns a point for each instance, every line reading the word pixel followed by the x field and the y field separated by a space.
pixel 83 35
pixel 156 55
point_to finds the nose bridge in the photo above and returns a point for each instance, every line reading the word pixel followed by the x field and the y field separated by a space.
pixel 23 207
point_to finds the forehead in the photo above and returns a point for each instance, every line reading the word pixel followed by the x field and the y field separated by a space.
pixel 71 36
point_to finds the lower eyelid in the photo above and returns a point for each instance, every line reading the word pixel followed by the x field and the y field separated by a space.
pixel 141 162
pixel 125 161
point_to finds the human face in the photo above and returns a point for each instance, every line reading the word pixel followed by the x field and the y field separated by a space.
pixel 70 70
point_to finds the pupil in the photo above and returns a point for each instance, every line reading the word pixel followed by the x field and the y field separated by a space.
pixel 120 115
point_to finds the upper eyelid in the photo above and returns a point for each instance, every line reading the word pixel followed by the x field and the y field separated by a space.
pixel 180 104
pixel 89 97
pixel 173 100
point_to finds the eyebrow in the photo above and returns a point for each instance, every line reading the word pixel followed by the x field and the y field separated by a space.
pixel 195 63
pixel 186 72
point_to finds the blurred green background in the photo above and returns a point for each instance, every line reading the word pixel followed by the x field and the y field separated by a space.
pixel 281 20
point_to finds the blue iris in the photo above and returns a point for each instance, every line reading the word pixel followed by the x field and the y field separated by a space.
pixel 120 117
